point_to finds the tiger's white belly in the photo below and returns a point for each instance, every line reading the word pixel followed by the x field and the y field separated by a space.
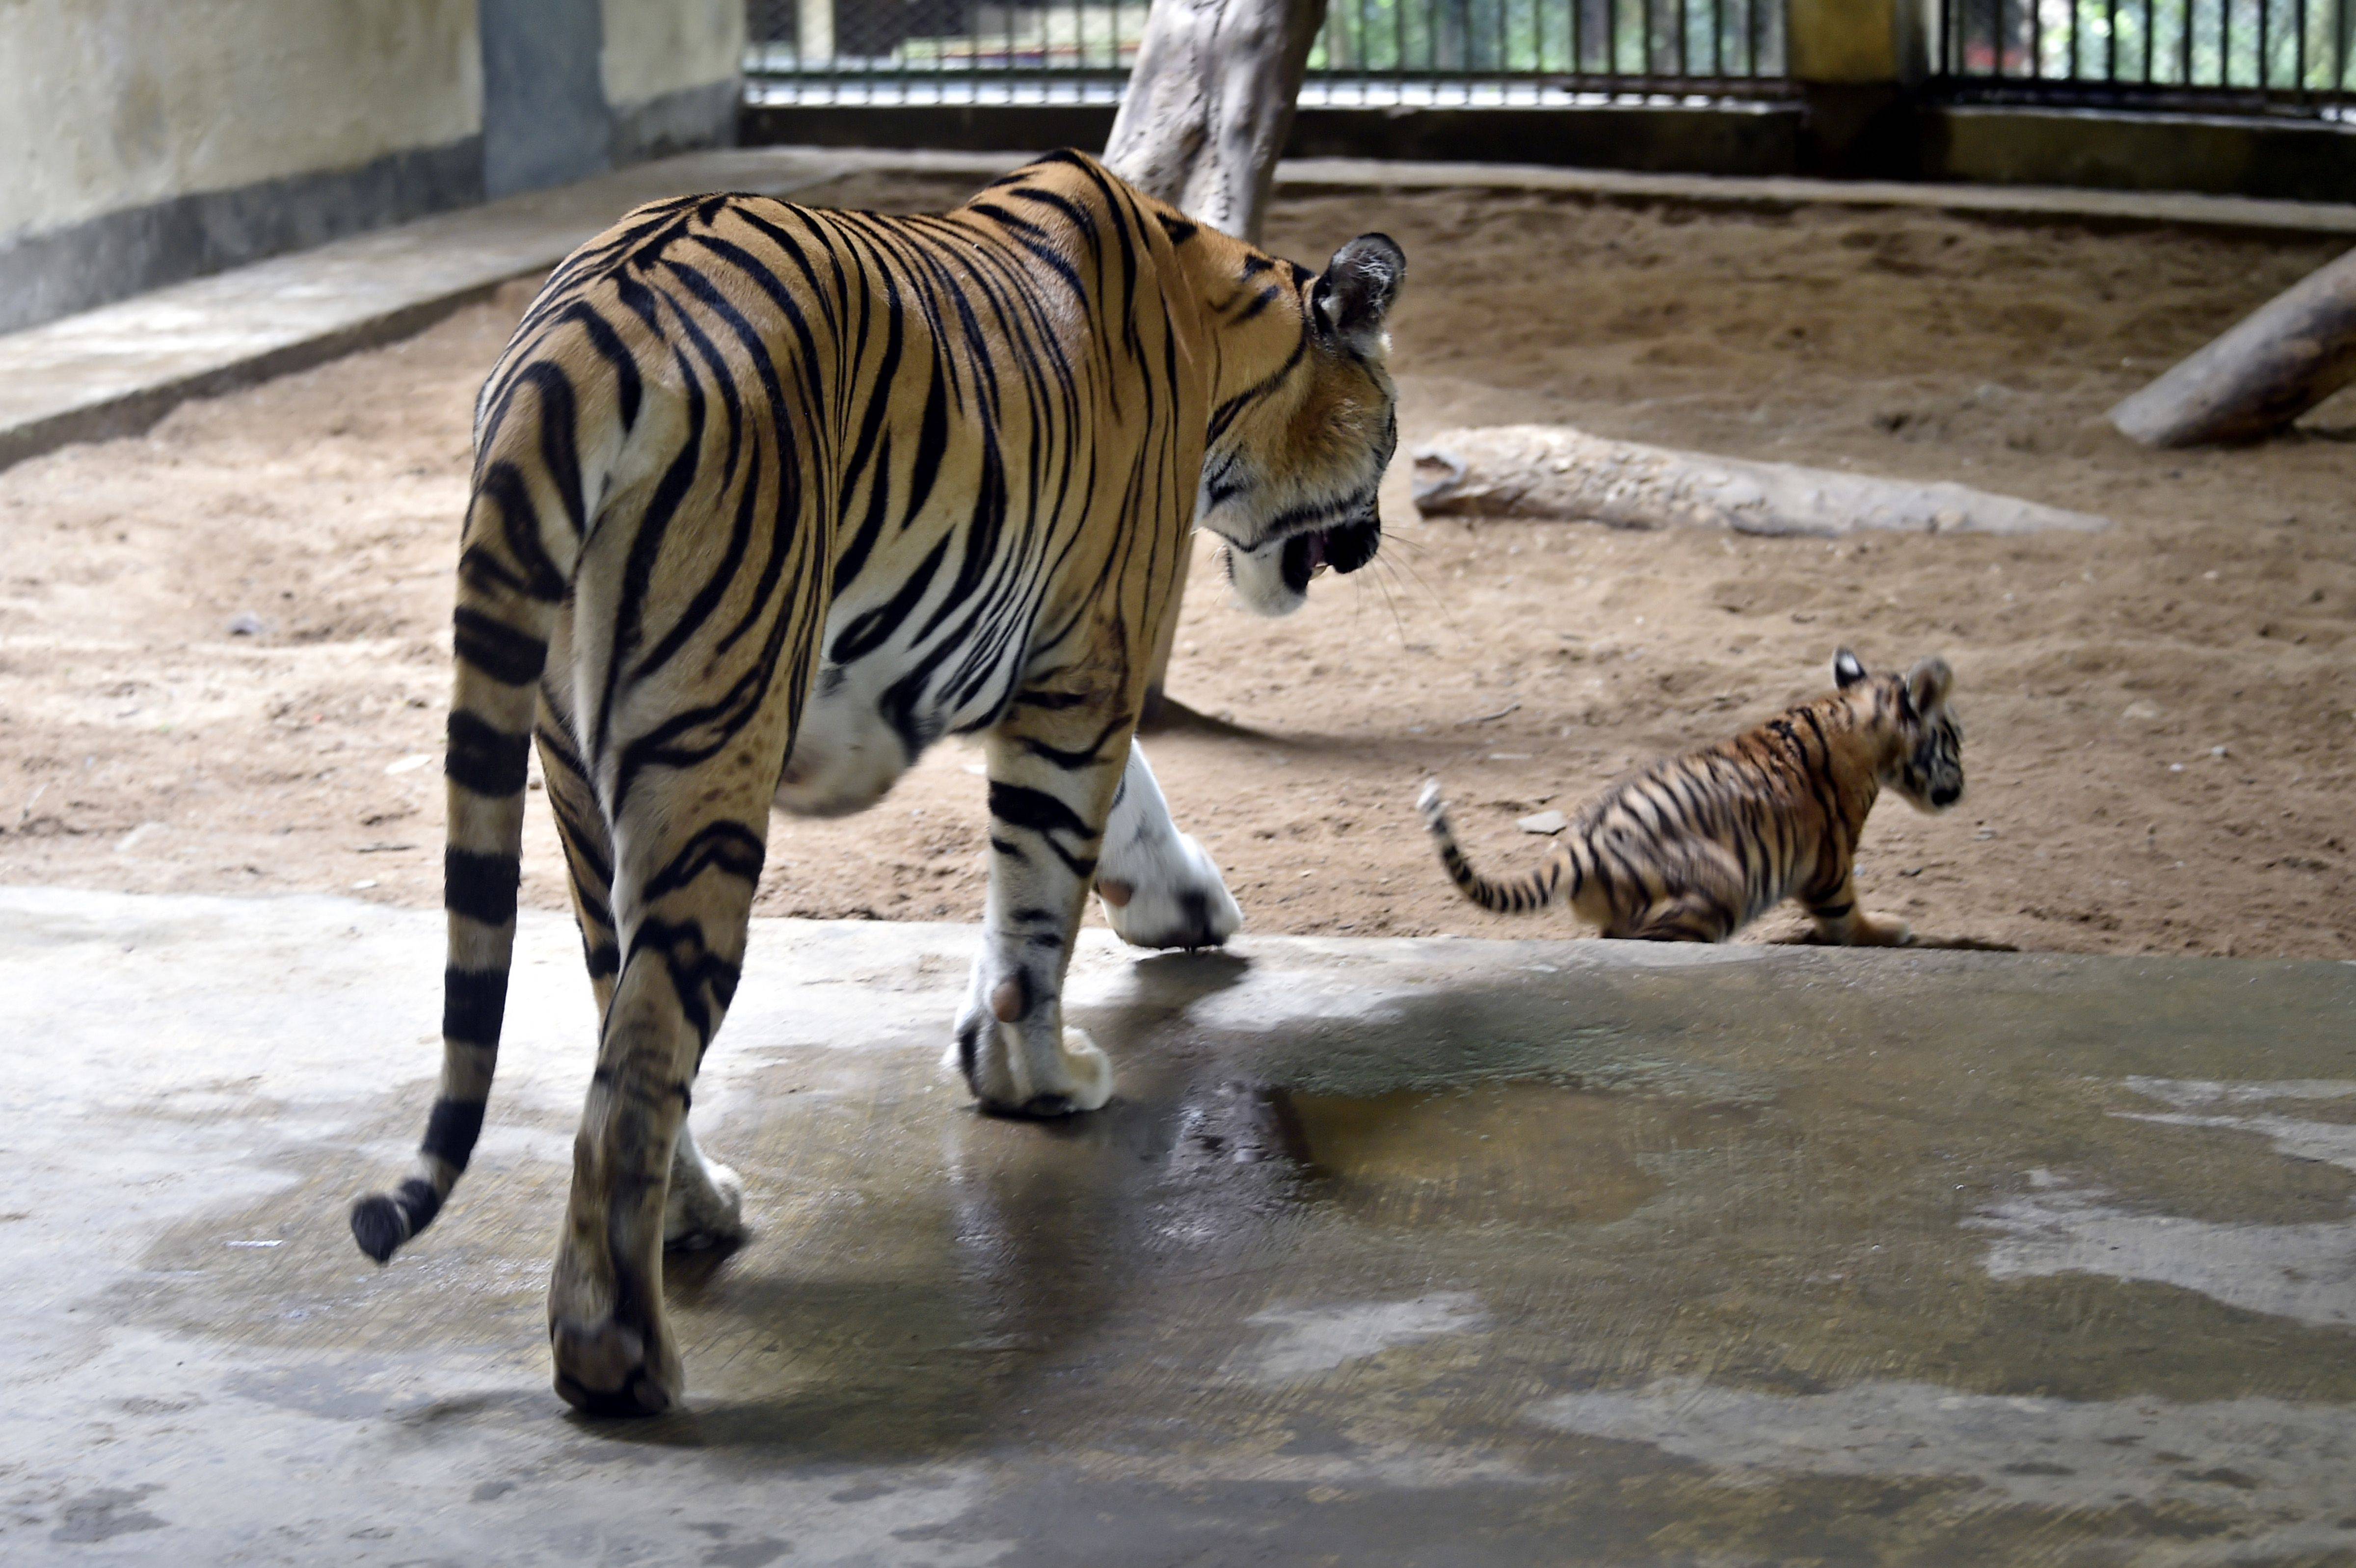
pixel 847 755
pixel 844 759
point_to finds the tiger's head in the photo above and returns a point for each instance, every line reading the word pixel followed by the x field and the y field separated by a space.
pixel 1924 762
pixel 1296 454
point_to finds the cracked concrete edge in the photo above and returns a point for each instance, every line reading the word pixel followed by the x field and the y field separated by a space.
pixel 129 412
pixel 566 216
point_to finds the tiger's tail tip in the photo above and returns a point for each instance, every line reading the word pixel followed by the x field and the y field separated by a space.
pixel 380 1224
pixel 1429 802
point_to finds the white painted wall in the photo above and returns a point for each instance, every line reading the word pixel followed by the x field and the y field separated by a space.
pixel 657 47
pixel 111 105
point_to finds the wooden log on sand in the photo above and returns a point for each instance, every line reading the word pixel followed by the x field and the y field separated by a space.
pixel 2273 365
pixel 1553 471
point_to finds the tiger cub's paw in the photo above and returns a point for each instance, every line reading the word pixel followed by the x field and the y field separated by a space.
pixel 1880 930
pixel 1176 898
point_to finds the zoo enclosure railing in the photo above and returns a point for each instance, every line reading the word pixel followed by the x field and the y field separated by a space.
pixel 1375 53
pixel 2220 56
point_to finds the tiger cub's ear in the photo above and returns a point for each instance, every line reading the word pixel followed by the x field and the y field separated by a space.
pixel 1847 670
pixel 1357 288
pixel 1929 682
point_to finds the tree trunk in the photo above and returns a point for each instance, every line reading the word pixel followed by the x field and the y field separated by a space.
pixel 1555 472
pixel 1210 103
pixel 1208 107
pixel 2279 361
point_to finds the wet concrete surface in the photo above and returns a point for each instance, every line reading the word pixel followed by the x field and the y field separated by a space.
pixel 1412 1251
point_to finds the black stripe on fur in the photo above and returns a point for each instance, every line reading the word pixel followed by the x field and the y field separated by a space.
pixel 473 1002
pixel 451 1131
pixel 480 887
pixel 498 650
pixel 485 759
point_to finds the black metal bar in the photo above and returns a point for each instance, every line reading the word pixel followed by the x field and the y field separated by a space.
pixel 2337 21
pixel 2339 51
pixel 2301 67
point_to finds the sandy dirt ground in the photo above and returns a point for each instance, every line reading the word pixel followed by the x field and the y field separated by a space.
pixel 224 645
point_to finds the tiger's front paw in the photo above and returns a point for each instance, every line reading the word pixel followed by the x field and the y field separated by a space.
pixel 1174 897
pixel 1029 1066
pixel 705 1215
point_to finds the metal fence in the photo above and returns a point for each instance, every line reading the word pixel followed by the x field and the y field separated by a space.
pixel 2267 55
pixel 1372 52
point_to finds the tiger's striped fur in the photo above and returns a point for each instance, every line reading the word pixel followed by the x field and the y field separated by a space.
pixel 767 500
pixel 1695 847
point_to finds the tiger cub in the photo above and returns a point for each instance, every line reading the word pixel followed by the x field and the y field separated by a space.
pixel 1695 847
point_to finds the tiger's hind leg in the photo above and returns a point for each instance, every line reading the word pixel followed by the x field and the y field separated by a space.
pixel 706 1208
pixel 683 892
pixel 1688 917
pixel 1840 923
pixel 1160 889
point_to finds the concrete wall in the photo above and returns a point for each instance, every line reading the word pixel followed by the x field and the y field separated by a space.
pixel 672 75
pixel 143 140
pixel 109 104
pixel 147 141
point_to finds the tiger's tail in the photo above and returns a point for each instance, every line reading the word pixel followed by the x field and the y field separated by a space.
pixel 523 536
pixel 1516 895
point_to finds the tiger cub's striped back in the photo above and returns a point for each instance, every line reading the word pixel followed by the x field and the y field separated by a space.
pixel 1694 847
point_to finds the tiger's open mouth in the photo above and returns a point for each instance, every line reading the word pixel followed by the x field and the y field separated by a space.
pixel 1346 547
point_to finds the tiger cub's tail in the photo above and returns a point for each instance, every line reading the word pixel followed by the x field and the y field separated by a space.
pixel 1517 895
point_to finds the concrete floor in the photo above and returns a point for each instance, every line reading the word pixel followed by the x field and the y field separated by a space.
pixel 1439 1252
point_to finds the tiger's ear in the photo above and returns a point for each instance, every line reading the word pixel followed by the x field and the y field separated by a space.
pixel 1357 288
pixel 1847 670
pixel 1929 682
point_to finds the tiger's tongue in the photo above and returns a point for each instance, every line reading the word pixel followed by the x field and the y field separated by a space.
pixel 1316 554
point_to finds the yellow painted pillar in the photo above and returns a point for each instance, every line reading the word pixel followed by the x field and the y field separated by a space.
pixel 1853 41
pixel 1857 63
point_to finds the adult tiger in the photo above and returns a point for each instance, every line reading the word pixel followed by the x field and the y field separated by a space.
pixel 766 500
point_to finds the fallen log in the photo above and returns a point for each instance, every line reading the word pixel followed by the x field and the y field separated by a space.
pixel 2271 366
pixel 1553 471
